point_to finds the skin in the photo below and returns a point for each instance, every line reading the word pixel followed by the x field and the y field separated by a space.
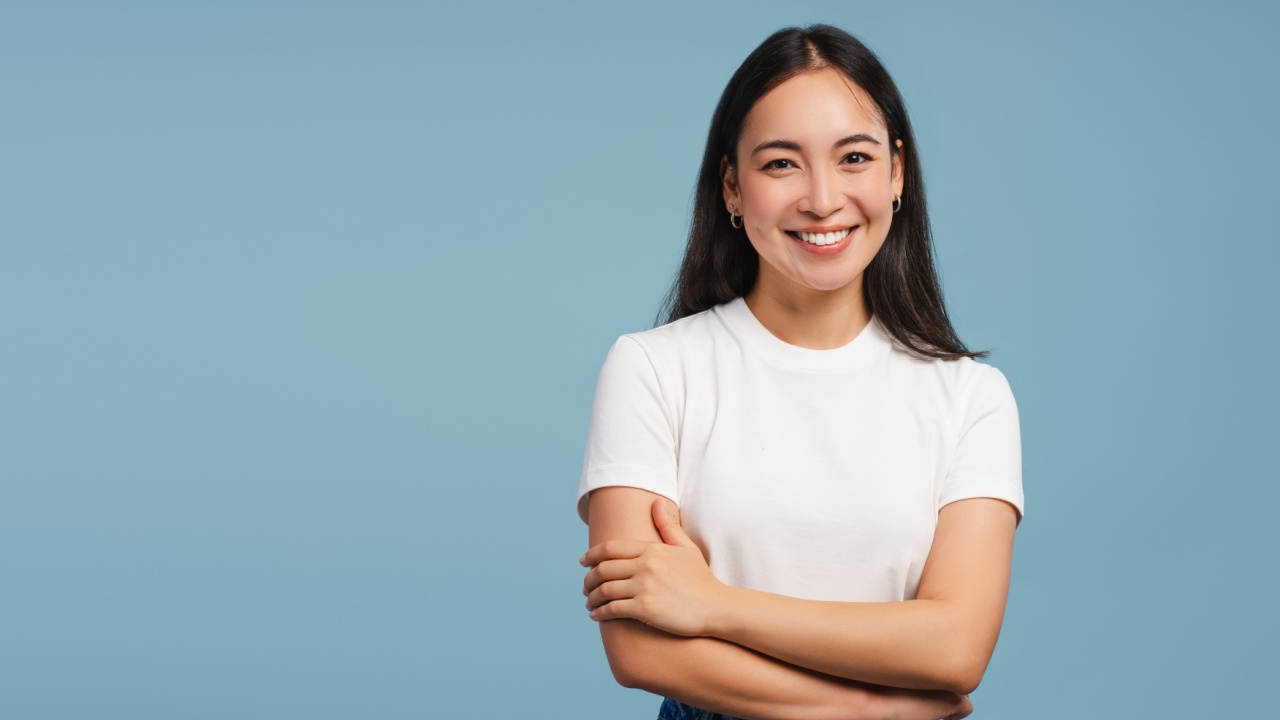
pixel 941 640
pixel 797 170
pixel 725 677
pixel 814 155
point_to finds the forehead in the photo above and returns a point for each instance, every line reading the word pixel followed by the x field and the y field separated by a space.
pixel 818 105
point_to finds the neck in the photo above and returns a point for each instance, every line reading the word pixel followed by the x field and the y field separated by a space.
pixel 814 319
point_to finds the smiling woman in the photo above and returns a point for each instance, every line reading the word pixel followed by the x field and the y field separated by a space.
pixel 802 490
pixel 815 178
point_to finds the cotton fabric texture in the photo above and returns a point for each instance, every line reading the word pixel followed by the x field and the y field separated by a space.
pixel 817 474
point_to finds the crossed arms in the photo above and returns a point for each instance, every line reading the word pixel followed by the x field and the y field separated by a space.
pixel 669 627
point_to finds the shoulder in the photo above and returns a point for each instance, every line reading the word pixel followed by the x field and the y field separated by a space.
pixel 666 347
pixel 986 458
pixel 961 389
pixel 961 377
pixel 982 391
pixel 976 395
pixel 978 379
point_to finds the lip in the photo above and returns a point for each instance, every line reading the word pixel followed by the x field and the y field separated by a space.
pixel 824 249
pixel 823 228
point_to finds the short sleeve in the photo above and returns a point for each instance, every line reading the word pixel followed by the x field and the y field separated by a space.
pixel 988 457
pixel 631 437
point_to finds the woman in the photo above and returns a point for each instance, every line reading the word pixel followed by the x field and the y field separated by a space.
pixel 848 478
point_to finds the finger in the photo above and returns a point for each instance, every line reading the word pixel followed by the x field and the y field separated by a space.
pixel 611 592
pixel 616 610
pixel 667 522
pixel 608 570
pixel 613 550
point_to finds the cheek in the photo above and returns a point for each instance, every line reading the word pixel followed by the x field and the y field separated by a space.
pixel 761 200
pixel 879 241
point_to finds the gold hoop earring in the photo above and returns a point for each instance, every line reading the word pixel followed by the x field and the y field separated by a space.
pixel 732 217
pixel 897 203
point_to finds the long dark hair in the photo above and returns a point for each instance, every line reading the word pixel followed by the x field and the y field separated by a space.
pixel 900 286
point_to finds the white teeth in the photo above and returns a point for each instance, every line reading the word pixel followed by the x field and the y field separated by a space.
pixel 829 238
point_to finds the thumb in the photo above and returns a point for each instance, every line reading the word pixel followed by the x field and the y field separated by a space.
pixel 668 524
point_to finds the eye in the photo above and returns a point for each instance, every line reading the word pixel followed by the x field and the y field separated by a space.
pixel 779 164
pixel 857 158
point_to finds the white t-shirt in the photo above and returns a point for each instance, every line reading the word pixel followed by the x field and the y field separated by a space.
pixel 811 473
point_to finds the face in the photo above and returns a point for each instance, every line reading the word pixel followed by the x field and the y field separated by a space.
pixel 814 183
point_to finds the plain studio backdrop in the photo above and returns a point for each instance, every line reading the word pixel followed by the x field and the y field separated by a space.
pixel 302 304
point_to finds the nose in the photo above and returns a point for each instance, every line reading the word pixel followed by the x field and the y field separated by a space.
pixel 822 193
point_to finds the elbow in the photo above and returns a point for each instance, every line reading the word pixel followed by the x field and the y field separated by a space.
pixel 624 646
pixel 964 681
pixel 962 651
pixel 625 676
pixel 626 671
pixel 957 677
pixel 963 670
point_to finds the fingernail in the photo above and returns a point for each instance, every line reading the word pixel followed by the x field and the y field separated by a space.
pixel 592 614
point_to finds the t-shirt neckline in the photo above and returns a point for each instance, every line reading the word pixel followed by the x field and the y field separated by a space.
pixel 757 336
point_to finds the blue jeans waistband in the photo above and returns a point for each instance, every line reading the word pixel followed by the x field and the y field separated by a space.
pixel 676 710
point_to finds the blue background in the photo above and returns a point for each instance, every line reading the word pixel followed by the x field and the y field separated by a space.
pixel 301 307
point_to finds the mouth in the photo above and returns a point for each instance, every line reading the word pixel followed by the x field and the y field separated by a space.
pixel 821 238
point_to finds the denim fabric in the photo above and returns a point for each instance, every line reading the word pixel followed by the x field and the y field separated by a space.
pixel 675 710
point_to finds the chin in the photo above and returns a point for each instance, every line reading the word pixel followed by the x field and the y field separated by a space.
pixel 826 282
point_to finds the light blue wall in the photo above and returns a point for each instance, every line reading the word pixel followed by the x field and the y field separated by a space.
pixel 301 306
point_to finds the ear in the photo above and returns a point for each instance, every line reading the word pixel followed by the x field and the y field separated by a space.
pixel 729 178
pixel 899 163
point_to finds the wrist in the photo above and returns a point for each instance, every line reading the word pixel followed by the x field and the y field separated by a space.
pixel 723 612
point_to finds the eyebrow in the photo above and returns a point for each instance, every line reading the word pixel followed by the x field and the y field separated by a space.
pixel 795 146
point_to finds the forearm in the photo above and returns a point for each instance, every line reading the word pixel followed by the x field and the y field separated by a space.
pixel 722 677
pixel 942 640
pixel 711 672
pixel 923 644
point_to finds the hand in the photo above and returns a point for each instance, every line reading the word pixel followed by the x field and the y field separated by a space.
pixel 666 585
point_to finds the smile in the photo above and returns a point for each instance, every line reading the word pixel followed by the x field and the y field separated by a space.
pixel 824 238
